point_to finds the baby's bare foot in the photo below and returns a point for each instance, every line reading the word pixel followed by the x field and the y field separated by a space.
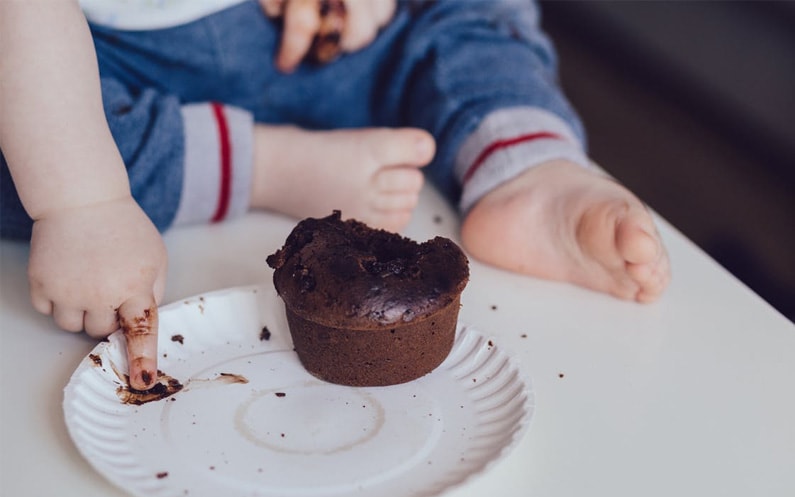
pixel 562 222
pixel 369 174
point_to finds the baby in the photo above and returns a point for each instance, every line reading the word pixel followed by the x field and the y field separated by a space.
pixel 112 134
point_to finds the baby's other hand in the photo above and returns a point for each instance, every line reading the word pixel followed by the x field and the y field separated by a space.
pixel 89 261
pixel 360 22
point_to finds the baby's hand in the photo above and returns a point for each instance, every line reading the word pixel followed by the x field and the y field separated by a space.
pixel 91 265
pixel 360 21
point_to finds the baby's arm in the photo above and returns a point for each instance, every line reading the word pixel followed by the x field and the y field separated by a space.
pixel 93 250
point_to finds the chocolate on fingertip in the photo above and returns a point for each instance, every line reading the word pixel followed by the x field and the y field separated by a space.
pixel 146 378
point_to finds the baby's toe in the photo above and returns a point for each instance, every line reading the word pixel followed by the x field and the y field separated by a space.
pixel 391 220
pixel 651 278
pixel 399 147
pixel 636 239
pixel 398 179
pixel 396 201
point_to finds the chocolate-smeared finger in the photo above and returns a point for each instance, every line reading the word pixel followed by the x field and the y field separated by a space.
pixel 138 322
pixel 301 23
pixel 326 45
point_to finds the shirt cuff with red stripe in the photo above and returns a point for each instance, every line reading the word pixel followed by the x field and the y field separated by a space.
pixel 218 161
pixel 506 143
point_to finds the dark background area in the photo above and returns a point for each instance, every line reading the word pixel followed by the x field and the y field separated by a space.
pixel 691 104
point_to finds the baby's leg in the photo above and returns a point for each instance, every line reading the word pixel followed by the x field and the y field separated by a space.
pixel 563 222
pixel 369 174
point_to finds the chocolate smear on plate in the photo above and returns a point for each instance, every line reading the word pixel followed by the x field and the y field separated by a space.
pixel 230 378
pixel 165 387
pixel 96 359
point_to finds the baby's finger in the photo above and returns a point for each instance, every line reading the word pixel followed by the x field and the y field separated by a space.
pixel 138 322
pixel 99 324
pixel 301 23
pixel 41 303
pixel 382 10
pixel 364 19
pixel 361 26
pixel 272 8
pixel 67 318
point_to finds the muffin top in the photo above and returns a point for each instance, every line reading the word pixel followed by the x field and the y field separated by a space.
pixel 344 274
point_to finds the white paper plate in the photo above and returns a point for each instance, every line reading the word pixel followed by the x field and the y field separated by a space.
pixel 284 432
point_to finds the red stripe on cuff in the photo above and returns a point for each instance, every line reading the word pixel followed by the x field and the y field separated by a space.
pixel 500 144
pixel 226 163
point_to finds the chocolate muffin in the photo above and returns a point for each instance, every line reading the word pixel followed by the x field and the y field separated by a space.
pixel 367 307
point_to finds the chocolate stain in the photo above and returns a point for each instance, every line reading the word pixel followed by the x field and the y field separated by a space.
pixel 249 432
pixel 326 43
pixel 178 338
pixel 231 378
pixel 96 359
pixel 165 387
pixel 265 334
pixel 137 326
pixel 221 379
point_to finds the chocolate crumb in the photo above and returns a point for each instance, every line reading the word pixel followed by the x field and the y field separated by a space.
pixel 178 338
pixel 97 359
pixel 491 344
pixel 265 334
pixel 493 307
pixel 281 394
pixel 560 375
pixel 523 335
pixel 162 474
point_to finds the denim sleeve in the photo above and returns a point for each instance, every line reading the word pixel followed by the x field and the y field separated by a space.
pixel 461 60
pixel 147 128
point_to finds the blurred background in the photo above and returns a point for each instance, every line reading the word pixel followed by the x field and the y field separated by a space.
pixel 691 104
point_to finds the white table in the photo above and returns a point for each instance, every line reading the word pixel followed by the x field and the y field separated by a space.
pixel 693 395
